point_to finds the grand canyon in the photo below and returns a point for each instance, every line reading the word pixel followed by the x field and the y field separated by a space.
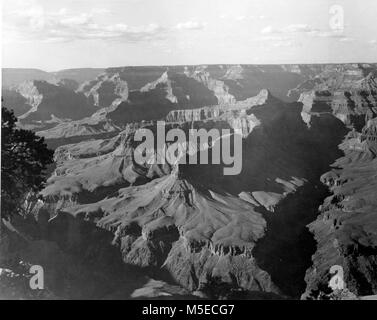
pixel 107 227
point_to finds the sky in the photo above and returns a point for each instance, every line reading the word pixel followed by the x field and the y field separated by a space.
pixel 58 34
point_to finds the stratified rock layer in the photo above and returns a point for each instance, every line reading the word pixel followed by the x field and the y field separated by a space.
pixel 346 228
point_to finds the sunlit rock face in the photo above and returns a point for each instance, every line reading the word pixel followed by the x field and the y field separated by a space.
pixel 113 97
pixel 48 104
pixel 106 91
pixel 23 98
pixel 218 87
pixel 68 83
pixel 164 81
pixel 345 228
pixel 235 114
pixel 29 91
pixel 23 90
pixel 170 209
pixel 347 91
pixel 84 128
pixel 18 102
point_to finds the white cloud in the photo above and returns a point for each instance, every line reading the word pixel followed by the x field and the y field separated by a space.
pixel 346 39
pixel 329 34
pixel 240 18
pixel 78 20
pixel 34 23
pixel 277 40
pixel 280 44
pixel 293 28
pixel 333 34
pixel 101 11
pixel 31 22
pixel 307 30
pixel 373 42
pixel 190 25
pixel 269 29
pixel 274 38
pixel 185 45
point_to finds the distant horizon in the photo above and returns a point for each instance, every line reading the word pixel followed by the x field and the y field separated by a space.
pixel 188 65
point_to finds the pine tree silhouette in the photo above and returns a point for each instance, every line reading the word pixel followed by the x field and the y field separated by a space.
pixel 24 157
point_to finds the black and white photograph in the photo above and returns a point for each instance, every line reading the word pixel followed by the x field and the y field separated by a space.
pixel 208 151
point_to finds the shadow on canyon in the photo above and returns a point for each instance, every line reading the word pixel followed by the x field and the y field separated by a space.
pixel 79 260
pixel 286 249
pixel 285 148
pixel 109 276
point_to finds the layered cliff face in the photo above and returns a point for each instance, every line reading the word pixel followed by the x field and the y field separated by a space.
pixel 345 228
pixel 142 90
pixel 106 91
pixel 156 223
pixel 345 231
pixel 235 114
pixel 16 100
pixel 68 83
pixel 165 82
pixel 111 159
pixel 349 92
pixel 32 95
pixel 246 80
pixel 218 87
pixel 48 102
pixel 80 128
pixel 129 94
pixel 114 156
pixel 78 259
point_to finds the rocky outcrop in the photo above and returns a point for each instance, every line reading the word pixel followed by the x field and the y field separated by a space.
pixel 345 229
pixel 131 94
pixel 85 127
pixel 106 91
pixel 235 114
pixel 68 83
pixel 162 223
pixel 346 91
pixel 30 92
pixel 234 73
pixel 218 87
pixel 78 260
pixel 49 102
pixel 166 83
pixel 12 99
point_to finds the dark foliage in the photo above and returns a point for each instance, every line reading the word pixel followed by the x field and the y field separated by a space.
pixel 24 157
